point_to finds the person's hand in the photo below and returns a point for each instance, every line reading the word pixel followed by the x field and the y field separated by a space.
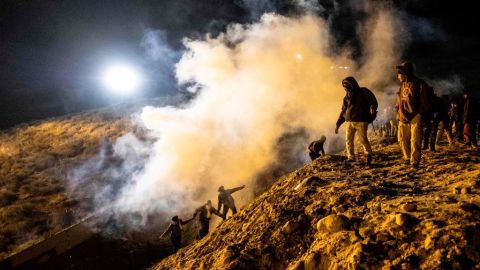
pixel 336 130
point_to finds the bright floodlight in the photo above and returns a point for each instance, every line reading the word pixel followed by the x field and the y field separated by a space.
pixel 121 78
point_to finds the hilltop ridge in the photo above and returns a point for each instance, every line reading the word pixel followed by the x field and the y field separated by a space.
pixel 334 215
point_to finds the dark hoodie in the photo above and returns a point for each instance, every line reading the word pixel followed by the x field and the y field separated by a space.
pixel 357 103
pixel 412 99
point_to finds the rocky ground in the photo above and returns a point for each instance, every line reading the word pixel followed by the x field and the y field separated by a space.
pixel 335 215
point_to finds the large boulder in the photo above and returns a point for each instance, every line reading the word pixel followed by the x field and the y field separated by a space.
pixel 333 223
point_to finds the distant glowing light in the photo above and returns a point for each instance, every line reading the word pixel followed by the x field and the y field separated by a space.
pixel 121 78
pixel 299 56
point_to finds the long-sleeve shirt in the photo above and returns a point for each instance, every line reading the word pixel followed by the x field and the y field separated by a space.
pixel 225 197
pixel 412 99
pixel 175 228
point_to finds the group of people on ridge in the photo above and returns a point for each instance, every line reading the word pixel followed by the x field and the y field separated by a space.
pixel 422 116
pixel 204 214
pixel 420 113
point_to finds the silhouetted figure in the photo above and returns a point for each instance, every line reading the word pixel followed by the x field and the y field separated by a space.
pixel 204 215
pixel 436 120
pixel 456 119
pixel 225 198
pixel 316 148
pixel 175 230
pixel 469 120
pixel 412 101
pixel 359 108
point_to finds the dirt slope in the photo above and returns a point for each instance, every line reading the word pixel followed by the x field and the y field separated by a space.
pixel 331 215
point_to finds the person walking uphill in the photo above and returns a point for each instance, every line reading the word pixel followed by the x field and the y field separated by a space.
pixel 358 110
pixel 204 215
pixel 175 230
pixel 225 198
pixel 412 101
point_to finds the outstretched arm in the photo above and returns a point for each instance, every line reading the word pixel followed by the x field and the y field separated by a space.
pixel 167 231
pixel 341 119
pixel 235 189
pixel 214 211
pixel 186 221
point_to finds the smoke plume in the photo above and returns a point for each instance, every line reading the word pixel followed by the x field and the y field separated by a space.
pixel 255 85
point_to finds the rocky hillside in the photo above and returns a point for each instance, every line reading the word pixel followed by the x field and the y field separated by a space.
pixel 334 215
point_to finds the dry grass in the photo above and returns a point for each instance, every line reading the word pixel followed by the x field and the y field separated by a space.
pixel 34 163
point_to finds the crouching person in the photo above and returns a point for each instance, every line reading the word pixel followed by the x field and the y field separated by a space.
pixel 315 149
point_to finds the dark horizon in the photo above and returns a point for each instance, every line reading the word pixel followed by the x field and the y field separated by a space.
pixel 50 50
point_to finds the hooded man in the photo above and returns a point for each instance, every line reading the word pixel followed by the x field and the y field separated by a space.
pixel 412 101
pixel 359 108
pixel 175 230
pixel 225 198
pixel 315 149
pixel 204 213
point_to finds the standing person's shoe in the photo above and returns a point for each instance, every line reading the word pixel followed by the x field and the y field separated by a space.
pixel 406 162
pixel 415 165
pixel 369 159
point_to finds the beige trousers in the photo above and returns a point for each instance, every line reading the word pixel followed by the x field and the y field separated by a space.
pixel 351 129
pixel 410 139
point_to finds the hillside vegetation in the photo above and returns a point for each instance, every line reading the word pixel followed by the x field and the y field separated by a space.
pixel 35 161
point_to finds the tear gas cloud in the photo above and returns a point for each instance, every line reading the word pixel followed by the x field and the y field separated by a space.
pixel 251 89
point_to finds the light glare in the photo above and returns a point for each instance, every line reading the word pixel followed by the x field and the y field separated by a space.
pixel 121 78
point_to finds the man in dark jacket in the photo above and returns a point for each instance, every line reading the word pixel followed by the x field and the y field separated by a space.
pixel 359 108
pixel 204 213
pixel 225 198
pixel 469 120
pixel 315 149
pixel 175 230
pixel 412 101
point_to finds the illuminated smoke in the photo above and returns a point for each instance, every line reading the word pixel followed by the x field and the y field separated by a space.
pixel 254 85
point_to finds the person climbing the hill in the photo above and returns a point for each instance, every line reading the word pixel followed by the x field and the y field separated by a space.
pixel 204 213
pixel 316 148
pixel 359 108
pixel 175 230
pixel 225 198
pixel 412 101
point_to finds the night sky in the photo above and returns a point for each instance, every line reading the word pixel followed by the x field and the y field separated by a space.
pixel 50 51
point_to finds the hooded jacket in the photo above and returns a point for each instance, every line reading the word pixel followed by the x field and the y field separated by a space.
pixel 412 99
pixel 356 105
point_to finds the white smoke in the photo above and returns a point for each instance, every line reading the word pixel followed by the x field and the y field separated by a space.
pixel 254 83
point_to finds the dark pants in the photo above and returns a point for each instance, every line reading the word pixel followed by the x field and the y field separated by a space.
pixel 313 155
pixel 459 130
pixel 204 227
pixel 430 135
pixel 225 211
pixel 470 133
pixel 177 243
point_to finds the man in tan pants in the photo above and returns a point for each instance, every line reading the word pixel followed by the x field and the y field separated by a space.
pixel 412 101
pixel 359 108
